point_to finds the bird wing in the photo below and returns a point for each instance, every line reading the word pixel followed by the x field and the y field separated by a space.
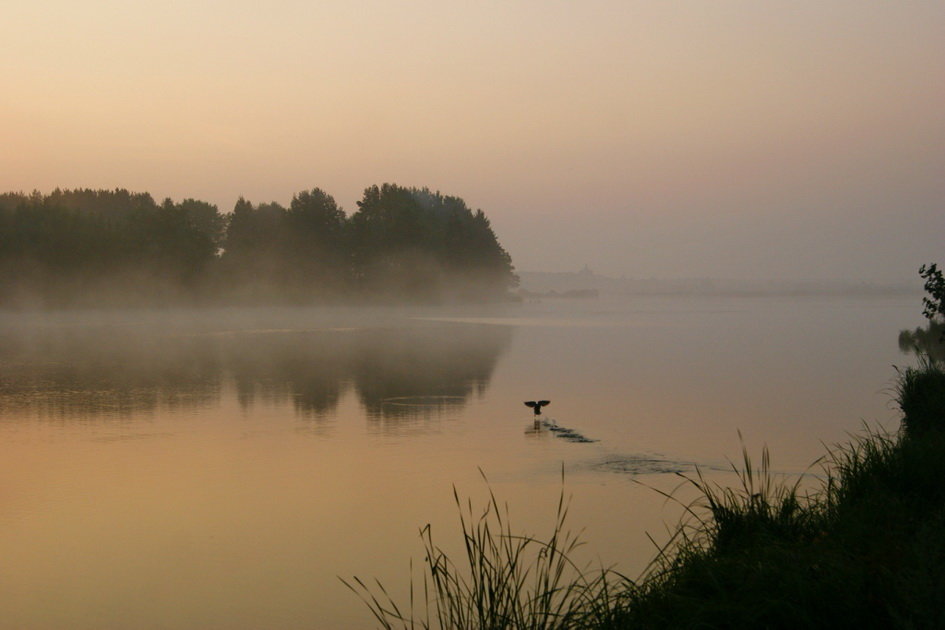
pixel 531 403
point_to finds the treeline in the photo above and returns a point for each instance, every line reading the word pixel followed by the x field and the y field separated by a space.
pixel 94 247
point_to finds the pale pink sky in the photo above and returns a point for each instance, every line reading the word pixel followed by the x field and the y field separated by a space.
pixel 753 138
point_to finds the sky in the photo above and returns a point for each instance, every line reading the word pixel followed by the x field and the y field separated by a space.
pixel 795 139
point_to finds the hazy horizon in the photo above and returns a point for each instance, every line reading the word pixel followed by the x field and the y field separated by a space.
pixel 737 140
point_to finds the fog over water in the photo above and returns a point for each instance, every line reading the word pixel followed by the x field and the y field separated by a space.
pixel 223 467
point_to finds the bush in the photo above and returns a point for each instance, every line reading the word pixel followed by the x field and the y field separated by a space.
pixel 920 393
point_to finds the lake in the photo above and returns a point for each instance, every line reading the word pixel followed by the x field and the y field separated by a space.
pixel 223 468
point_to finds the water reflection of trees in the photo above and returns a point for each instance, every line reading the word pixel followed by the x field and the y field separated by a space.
pixel 305 369
pixel 425 369
pixel 94 372
pixel 395 373
pixel 929 341
pixel 441 364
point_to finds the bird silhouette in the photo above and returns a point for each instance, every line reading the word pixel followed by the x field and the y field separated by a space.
pixel 536 405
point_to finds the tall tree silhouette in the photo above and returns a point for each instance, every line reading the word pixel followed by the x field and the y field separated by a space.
pixel 317 227
pixel 425 244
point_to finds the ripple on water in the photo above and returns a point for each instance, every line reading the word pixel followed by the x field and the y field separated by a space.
pixel 643 464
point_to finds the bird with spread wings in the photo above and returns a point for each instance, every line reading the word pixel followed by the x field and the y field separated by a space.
pixel 536 405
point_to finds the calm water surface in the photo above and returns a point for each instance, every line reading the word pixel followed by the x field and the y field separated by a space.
pixel 222 469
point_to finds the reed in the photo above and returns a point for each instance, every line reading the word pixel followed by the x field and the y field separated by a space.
pixel 506 580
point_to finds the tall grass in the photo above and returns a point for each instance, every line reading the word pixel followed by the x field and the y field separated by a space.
pixel 760 508
pixel 718 555
pixel 506 580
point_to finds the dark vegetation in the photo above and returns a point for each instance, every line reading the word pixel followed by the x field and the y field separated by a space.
pixel 863 548
pixel 114 247
pixel 934 302
pixel 929 342
pixel 924 341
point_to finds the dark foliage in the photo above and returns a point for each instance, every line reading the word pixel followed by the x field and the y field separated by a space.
pixel 98 246
pixel 411 241
pixel 114 247
pixel 921 396
pixel 934 302
pixel 928 341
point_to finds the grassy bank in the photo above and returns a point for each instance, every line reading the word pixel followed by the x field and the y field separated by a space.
pixel 866 549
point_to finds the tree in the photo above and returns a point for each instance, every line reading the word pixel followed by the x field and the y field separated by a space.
pixel 934 302
pixel 315 215
pixel 254 252
pixel 424 244
pixel 84 246
pixel 316 242
pixel 393 244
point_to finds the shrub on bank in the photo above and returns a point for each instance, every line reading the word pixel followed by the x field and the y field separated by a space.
pixel 921 396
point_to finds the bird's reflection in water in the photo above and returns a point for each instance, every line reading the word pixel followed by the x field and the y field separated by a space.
pixel 548 426
pixel 534 430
